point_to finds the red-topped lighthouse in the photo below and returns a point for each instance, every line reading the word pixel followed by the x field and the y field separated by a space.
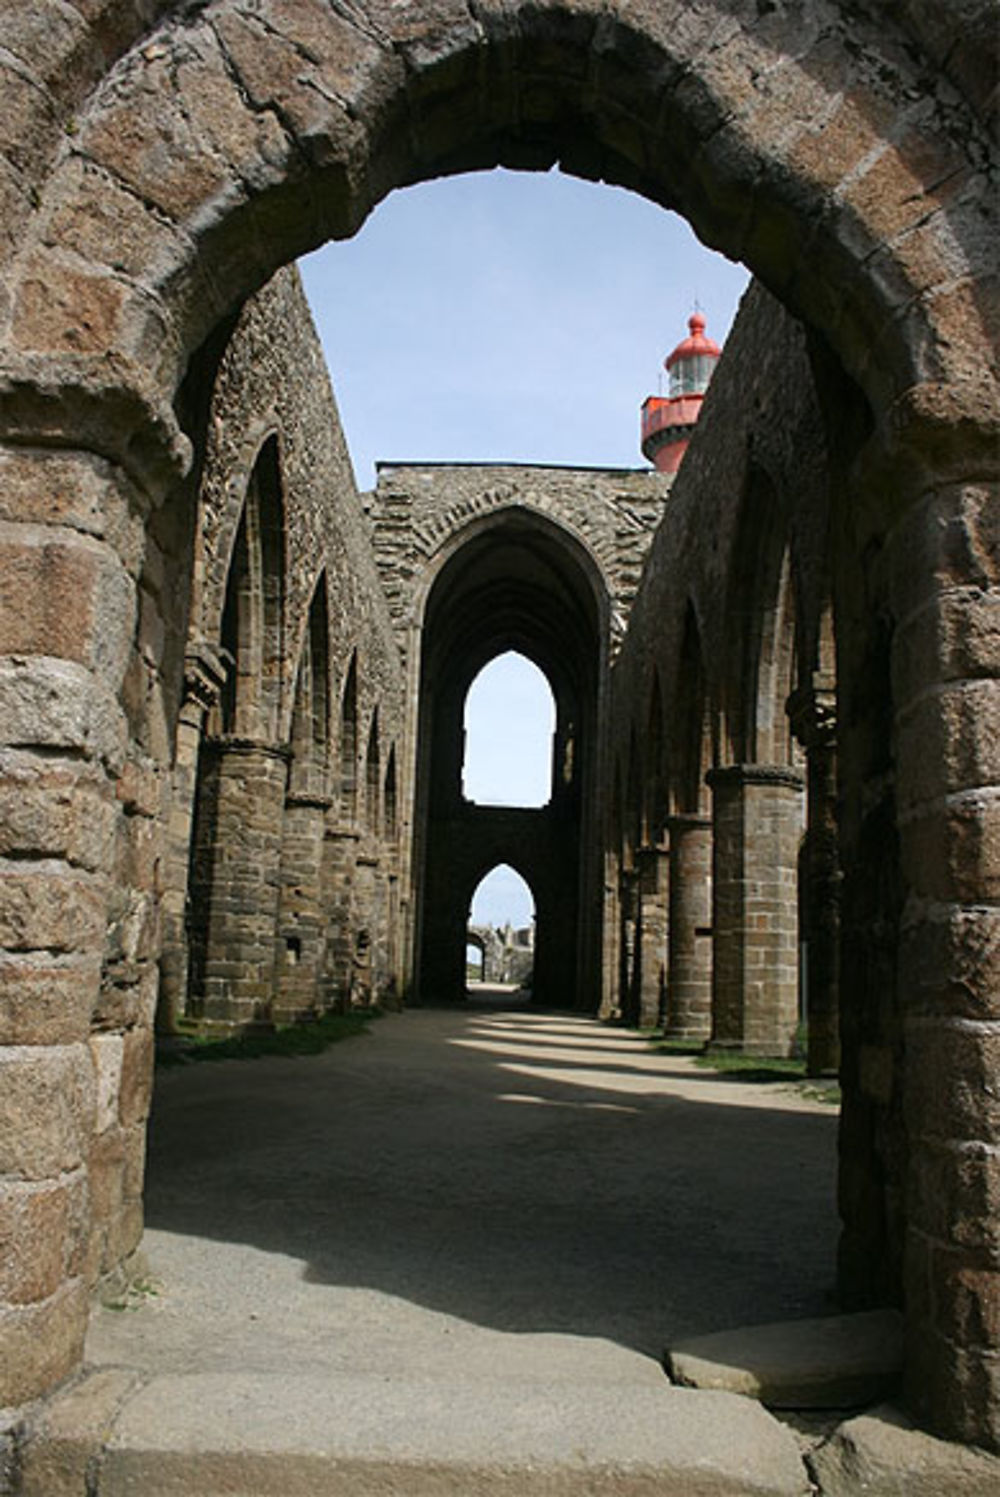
pixel 668 420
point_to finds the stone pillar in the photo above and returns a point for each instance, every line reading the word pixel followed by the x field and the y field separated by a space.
pixel 654 894
pixel 630 916
pixel 812 713
pixel 340 851
pixel 204 674
pixel 945 591
pixel 78 835
pixel 237 876
pixel 689 959
pixel 300 954
pixel 757 829
pixel 610 946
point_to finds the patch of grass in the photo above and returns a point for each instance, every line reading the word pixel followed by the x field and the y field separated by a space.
pixel 308 1038
pixel 756 1069
pixel 674 1047
pixel 752 1067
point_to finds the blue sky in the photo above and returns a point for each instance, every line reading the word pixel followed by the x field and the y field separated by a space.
pixel 508 317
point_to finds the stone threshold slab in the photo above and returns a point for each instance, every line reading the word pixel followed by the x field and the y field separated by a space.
pixel 323 1434
pixel 834 1362
pixel 881 1454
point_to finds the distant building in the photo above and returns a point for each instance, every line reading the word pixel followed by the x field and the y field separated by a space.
pixel 668 420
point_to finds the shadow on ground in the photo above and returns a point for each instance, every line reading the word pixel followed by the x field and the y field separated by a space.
pixel 516 1171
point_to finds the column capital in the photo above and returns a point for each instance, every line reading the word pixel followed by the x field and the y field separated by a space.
pixel 685 821
pixel 738 775
pixel 812 712
pixel 206 666
pixel 230 743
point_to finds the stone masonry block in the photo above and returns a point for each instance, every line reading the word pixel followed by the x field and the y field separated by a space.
pixel 949 540
pixel 77 491
pixel 41 1343
pixel 949 740
pixel 954 1194
pixel 66 595
pixel 95 218
pixel 69 1433
pixel 107 1051
pixel 41 1237
pixel 953 1390
pixel 136 1077
pixel 54 809
pixel 58 704
pixel 968 1053
pixel 953 636
pixel 46 999
pixel 950 960
pixel 58 309
pixel 967 1300
pixel 47 1100
pixel 144 139
pixel 47 906
pixel 951 849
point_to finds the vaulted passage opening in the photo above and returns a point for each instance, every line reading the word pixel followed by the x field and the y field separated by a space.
pixel 509 721
pixel 516 583
pixel 502 929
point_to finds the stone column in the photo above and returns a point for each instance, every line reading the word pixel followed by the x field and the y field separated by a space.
pixel 79 803
pixel 945 591
pixel 630 947
pixel 757 827
pixel 654 894
pixel 340 851
pixel 300 954
pixel 812 712
pixel 610 946
pixel 204 674
pixel 689 958
pixel 237 876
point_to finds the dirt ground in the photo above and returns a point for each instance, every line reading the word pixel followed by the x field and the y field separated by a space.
pixel 492 1191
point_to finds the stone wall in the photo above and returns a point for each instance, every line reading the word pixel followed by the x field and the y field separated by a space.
pixel 268 897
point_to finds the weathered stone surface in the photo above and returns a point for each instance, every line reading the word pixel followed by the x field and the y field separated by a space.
pixel 798 1364
pixel 55 704
pixel 883 1455
pixel 43 1343
pixel 45 998
pixel 58 1455
pixel 46 906
pixel 426 1440
pixel 47 1099
pixel 42 1229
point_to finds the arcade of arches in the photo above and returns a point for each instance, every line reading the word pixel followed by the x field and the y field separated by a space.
pixel 230 691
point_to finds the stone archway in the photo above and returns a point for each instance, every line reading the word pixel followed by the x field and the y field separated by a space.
pixel 839 157
pixel 514 581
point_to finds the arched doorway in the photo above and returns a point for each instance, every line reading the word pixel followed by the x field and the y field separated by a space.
pixel 518 582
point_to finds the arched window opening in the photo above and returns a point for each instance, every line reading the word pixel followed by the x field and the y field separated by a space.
pixel 692 732
pixel 236 633
pixel 475 961
pixel 509 723
pixel 390 803
pixel 266 508
pixel 373 777
pixel 349 743
pixel 311 708
pixel 502 925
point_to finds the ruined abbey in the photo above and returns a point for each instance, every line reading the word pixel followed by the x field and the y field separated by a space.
pixel 231 687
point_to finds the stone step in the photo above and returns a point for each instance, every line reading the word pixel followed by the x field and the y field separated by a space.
pixel 322 1434
pixel 835 1362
